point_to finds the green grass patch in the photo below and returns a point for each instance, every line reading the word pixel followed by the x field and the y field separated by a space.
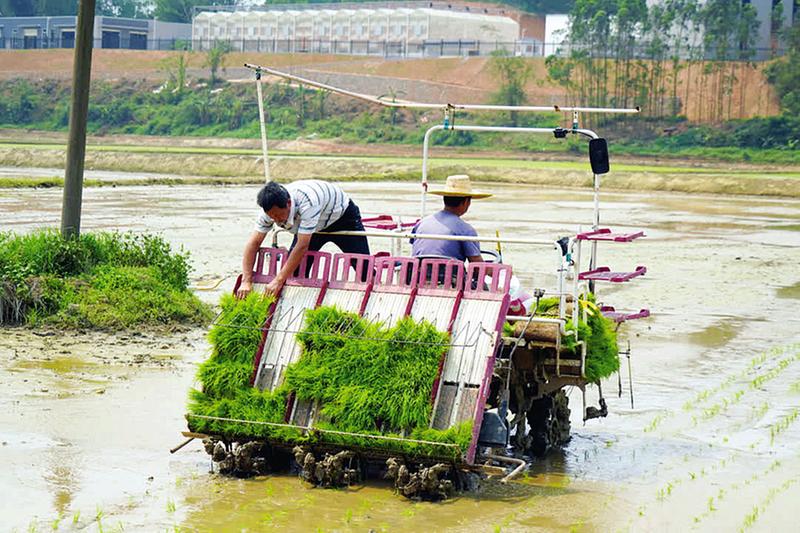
pixel 100 280
pixel 366 378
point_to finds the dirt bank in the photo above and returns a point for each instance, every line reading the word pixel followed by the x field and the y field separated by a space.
pixel 190 161
pixel 451 79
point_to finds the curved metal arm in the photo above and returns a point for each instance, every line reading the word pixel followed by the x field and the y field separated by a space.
pixel 421 105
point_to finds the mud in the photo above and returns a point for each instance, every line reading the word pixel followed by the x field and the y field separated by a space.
pixel 86 420
pixel 426 483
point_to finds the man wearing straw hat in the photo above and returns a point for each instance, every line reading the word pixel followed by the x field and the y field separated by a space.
pixel 458 195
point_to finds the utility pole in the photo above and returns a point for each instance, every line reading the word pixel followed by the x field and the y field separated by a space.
pixel 76 149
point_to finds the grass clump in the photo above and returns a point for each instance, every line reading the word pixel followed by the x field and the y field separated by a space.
pixel 100 280
pixel 366 378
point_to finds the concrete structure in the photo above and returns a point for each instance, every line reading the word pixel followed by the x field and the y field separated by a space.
pixel 764 10
pixel 556 30
pixel 109 32
pixel 357 30
pixel 765 43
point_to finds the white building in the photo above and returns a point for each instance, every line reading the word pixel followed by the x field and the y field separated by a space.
pixel 557 28
pixel 415 31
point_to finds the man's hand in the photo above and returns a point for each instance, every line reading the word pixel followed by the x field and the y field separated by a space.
pixel 248 260
pixel 244 289
pixel 274 286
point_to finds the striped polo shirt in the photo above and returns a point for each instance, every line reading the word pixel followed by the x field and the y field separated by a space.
pixel 315 206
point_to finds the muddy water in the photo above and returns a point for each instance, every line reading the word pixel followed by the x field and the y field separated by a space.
pixel 86 420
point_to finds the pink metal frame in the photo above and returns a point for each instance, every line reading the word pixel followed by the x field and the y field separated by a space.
pixel 395 275
pixel 343 276
pixel 386 222
pixel 273 259
pixel 605 274
pixel 605 234
pixel 451 270
pixel 496 290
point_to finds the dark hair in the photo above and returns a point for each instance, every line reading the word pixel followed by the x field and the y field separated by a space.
pixel 272 195
pixel 455 201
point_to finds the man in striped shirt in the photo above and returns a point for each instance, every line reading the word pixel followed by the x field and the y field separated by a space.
pixel 303 207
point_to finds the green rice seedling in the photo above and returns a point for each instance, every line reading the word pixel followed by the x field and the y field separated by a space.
pixel 759 509
pixel 753 364
pixel 76 516
pixel 170 506
pixel 368 380
pixel 653 425
pixel 602 353
pixel 750 518
pixel 782 424
pixel 577 526
pixel 758 381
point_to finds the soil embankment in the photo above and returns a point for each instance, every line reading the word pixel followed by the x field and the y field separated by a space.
pixel 450 79
pixel 138 160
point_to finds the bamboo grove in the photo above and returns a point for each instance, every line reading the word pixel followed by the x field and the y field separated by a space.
pixel 621 53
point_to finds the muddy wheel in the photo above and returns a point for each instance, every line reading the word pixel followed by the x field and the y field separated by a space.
pixel 549 423
pixel 467 481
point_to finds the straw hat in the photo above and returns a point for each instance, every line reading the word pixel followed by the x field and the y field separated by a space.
pixel 459 185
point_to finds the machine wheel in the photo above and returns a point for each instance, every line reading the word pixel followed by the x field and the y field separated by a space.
pixel 549 423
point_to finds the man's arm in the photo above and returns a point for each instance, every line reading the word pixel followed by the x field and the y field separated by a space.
pixel 300 248
pixel 248 259
pixel 472 249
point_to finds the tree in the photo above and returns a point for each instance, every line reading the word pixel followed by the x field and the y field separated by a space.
pixel 215 58
pixel 125 8
pixel 53 8
pixel 34 8
pixel 392 93
pixel 784 73
pixel 175 69
pixel 512 73
pixel 542 6
pixel 729 31
pixel 182 10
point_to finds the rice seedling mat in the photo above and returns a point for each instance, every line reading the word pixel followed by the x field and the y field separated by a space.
pixel 468 303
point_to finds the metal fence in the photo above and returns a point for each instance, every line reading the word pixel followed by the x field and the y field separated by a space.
pixel 383 48
pixel 386 48
pixel 109 41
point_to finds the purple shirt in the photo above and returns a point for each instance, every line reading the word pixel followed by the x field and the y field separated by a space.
pixel 444 223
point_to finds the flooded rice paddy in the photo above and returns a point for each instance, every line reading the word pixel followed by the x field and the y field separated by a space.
pixel 87 419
